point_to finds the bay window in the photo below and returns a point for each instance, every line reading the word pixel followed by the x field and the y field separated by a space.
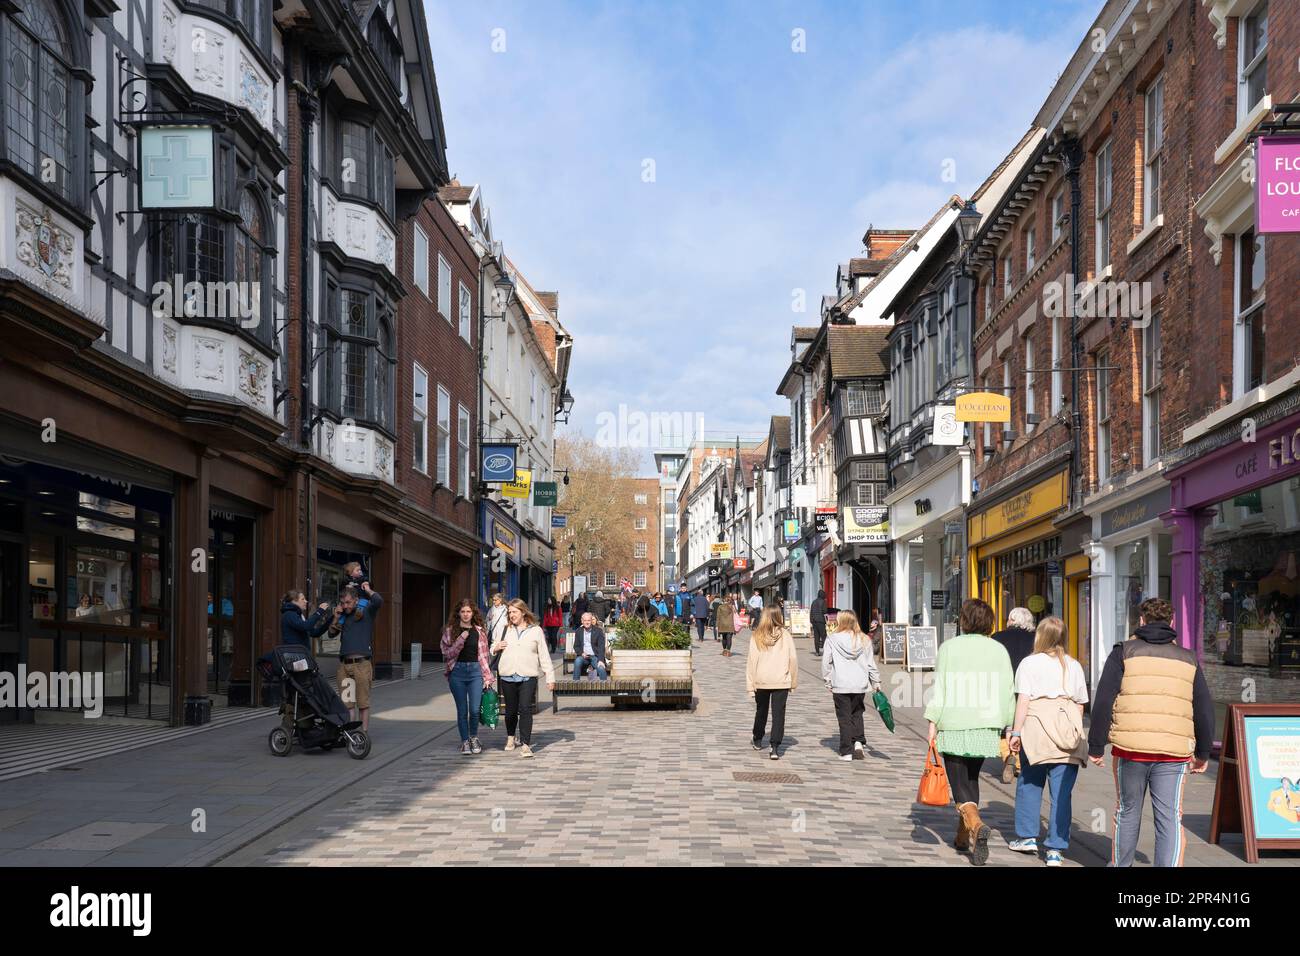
pixel 360 352
pixel 362 167
pixel 44 101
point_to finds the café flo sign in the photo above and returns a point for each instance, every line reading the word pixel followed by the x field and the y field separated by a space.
pixel 1284 451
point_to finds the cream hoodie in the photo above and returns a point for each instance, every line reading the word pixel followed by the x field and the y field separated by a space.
pixel 772 668
pixel 525 653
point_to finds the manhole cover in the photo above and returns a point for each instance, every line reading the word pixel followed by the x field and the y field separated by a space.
pixel 749 777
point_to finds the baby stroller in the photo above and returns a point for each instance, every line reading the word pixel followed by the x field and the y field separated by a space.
pixel 314 715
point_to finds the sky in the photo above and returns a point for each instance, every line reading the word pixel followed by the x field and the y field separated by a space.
pixel 686 174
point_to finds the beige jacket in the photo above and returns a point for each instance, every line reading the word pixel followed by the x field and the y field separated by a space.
pixel 772 668
pixel 525 653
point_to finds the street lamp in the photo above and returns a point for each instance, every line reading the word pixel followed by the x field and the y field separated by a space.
pixel 968 223
pixel 564 408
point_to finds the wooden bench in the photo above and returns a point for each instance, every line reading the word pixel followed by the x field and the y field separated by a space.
pixel 650 690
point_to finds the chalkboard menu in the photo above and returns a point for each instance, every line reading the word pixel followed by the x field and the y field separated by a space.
pixel 895 643
pixel 922 647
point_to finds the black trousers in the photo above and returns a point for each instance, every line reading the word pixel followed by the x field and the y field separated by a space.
pixel 726 639
pixel 819 635
pixel 849 709
pixel 778 699
pixel 520 697
pixel 963 777
pixel 552 638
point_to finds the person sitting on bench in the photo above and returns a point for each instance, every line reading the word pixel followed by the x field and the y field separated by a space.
pixel 589 648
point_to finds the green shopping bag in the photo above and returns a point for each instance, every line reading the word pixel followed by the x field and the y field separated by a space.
pixel 882 706
pixel 489 710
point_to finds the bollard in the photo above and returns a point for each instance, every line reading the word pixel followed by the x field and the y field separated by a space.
pixel 417 652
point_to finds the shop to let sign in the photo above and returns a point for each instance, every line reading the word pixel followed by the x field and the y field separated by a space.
pixel 1277 184
pixel 720 549
pixel 520 486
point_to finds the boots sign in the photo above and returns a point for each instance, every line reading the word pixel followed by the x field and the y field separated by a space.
pixel 1277 184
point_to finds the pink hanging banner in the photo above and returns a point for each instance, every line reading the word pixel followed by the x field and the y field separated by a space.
pixel 1277 184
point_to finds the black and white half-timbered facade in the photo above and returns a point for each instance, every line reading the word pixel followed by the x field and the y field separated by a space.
pixel 200 210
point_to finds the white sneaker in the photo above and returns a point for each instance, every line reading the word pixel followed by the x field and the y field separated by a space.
pixel 526 751
pixel 857 745
pixel 848 757
pixel 510 743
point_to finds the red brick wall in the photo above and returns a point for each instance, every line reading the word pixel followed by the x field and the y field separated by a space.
pixel 427 337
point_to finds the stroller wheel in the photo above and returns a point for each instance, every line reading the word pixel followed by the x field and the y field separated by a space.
pixel 280 741
pixel 358 744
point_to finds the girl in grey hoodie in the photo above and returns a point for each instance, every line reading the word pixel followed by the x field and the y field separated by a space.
pixel 849 668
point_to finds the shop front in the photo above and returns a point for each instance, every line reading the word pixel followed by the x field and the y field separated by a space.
pixel 927 527
pixel 1132 556
pixel 1235 567
pixel 862 583
pixel 84 579
pixel 1017 551
pixel 503 545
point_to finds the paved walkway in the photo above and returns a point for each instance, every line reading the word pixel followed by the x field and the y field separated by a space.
pixel 666 787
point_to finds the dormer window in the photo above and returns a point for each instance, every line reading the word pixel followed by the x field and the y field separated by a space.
pixel 363 166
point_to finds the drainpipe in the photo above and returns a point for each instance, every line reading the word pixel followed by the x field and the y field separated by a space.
pixel 1073 164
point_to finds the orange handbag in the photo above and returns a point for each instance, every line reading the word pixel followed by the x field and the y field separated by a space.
pixel 933 791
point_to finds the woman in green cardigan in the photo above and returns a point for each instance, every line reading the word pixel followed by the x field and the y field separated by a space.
pixel 973 701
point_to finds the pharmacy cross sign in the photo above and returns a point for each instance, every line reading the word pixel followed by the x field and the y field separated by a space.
pixel 177 166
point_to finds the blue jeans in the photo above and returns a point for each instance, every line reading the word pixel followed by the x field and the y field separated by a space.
pixel 584 661
pixel 1059 779
pixel 466 682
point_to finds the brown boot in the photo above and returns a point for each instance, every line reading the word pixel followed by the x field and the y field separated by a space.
pixel 977 831
pixel 962 843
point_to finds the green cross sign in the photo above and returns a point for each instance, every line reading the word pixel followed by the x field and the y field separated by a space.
pixel 177 168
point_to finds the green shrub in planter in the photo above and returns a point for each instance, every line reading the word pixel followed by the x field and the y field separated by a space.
pixel 663 635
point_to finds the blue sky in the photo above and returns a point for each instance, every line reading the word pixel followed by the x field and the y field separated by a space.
pixel 769 164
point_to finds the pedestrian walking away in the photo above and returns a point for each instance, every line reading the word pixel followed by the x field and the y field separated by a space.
pixel 817 618
pixel 700 608
pixel 771 675
pixel 725 624
pixel 1047 734
pixel 522 647
pixel 552 620
pixel 849 669
pixel 1018 638
pixel 965 729
pixel 468 668
pixel 1153 706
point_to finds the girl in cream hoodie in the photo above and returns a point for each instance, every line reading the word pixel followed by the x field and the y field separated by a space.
pixel 524 657
pixel 771 673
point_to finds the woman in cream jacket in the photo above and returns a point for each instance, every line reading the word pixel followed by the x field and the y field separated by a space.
pixel 522 646
pixel 771 673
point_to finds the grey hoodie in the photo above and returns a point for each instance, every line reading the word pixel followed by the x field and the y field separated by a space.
pixel 846 669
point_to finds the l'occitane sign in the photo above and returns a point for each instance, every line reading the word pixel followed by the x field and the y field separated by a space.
pixel 983 407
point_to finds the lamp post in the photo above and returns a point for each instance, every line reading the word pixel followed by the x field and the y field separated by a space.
pixel 573 554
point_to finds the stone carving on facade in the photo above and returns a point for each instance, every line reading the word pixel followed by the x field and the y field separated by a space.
pixel 168 38
pixel 383 456
pixel 209 58
pixel 328 432
pixel 253 377
pixel 331 212
pixel 254 92
pixel 384 249
pixel 169 348
pixel 354 449
pixel 356 231
pixel 42 245
pixel 209 359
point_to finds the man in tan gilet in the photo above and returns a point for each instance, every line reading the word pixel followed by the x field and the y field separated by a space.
pixel 1154 708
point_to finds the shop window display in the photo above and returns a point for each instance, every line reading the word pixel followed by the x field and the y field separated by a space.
pixel 1250 580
